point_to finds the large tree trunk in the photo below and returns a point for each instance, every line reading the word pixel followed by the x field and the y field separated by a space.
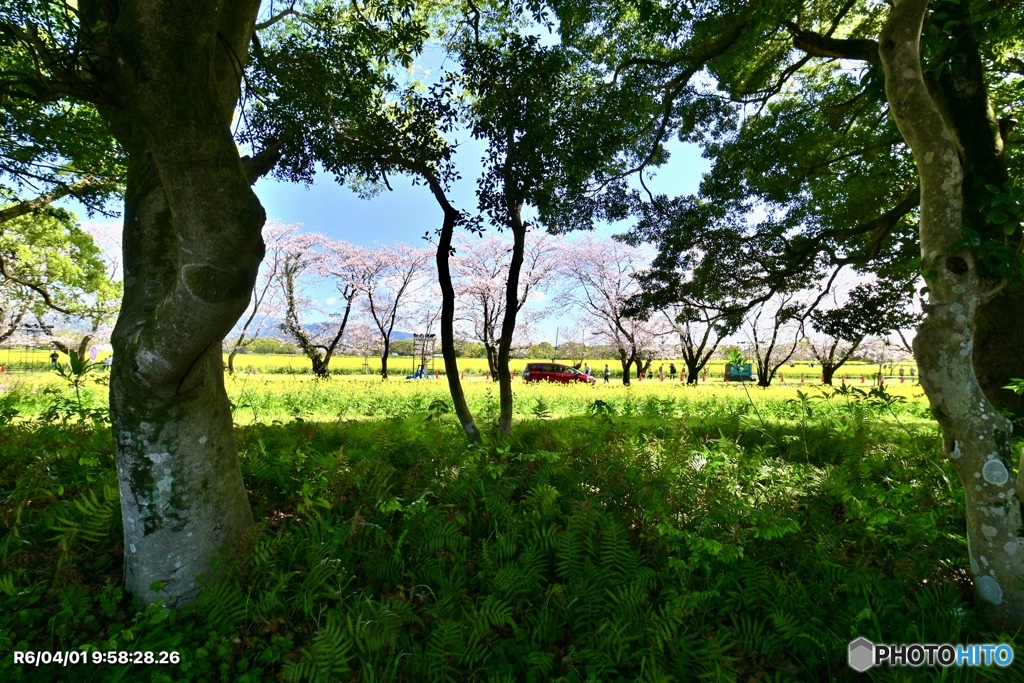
pixel 975 435
pixel 981 140
pixel 192 248
pixel 828 371
pixel 999 331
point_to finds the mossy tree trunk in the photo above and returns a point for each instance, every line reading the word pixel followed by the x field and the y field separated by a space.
pixel 975 435
pixel 192 248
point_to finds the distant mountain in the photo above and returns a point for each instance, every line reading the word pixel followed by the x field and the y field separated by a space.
pixel 272 329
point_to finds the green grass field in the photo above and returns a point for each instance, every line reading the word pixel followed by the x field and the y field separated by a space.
pixel 657 532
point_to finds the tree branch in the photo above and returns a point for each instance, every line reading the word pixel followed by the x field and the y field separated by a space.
pixel 836 48
pixel 41 291
pixel 290 12
pixel 261 163
pixel 42 200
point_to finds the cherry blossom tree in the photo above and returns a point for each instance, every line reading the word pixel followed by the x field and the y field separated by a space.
pixel 868 309
pixel 479 269
pixel 266 295
pixel 362 339
pixel 388 277
pixel 600 279
pixel 700 331
pixel 774 329
pixel 310 259
pixel 574 347
pixel 423 316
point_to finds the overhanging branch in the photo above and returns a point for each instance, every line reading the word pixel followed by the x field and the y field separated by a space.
pixel 836 48
pixel 27 207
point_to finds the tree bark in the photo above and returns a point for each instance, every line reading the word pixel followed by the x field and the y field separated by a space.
pixel 975 435
pixel 827 373
pixel 385 351
pixel 965 105
pixel 444 278
pixel 492 361
pixel 508 323
pixel 999 329
pixel 192 248
pixel 627 363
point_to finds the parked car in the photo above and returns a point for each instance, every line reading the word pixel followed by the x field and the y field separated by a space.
pixel 553 372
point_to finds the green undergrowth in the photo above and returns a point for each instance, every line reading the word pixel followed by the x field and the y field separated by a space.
pixel 737 544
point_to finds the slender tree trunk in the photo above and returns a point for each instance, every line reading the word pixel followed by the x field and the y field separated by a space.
pixel 444 278
pixel 492 361
pixel 975 435
pixel 386 349
pixel 192 248
pixel 508 323
pixel 231 360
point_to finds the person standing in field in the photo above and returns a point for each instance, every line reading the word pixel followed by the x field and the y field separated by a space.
pixel 607 374
pixel 54 357
pixel 671 370
pixel 586 369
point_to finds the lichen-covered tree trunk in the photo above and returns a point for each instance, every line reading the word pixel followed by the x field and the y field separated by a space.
pixel 192 247
pixel 975 435
pixel 982 141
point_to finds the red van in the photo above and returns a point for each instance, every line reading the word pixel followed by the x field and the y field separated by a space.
pixel 553 372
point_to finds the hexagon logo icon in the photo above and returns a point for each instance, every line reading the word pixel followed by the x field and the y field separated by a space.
pixel 861 655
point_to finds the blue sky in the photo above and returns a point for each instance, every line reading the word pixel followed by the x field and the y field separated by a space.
pixel 407 212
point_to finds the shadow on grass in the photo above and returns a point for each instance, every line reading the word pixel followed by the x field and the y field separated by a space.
pixel 593 547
